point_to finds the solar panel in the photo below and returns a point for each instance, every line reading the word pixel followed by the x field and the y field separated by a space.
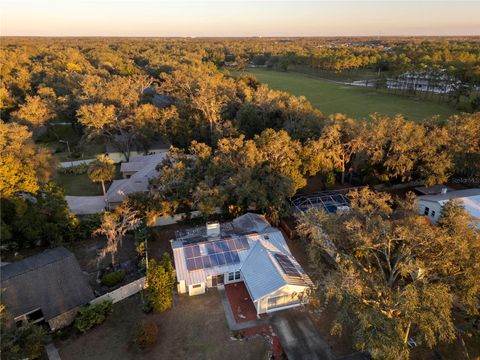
pixel 220 252
pixel 286 265
pixel 228 257
pixel 210 248
pixel 206 262
pixel 221 259
pixel 188 252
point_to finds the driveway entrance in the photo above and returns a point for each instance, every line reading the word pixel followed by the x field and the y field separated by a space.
pixel 299 338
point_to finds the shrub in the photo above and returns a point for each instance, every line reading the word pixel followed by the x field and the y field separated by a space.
pixel 113 278
pixel 147 306
pixel 91 315
pixel 146 334
pixel 25 342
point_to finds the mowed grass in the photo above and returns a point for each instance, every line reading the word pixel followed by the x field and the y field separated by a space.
pixel 81 185
pixel 356 102
pixel 78 185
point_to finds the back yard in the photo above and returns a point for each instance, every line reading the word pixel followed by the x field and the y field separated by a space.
pixel 195 328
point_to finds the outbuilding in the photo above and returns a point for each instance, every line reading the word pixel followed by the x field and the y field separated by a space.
pixel 44 288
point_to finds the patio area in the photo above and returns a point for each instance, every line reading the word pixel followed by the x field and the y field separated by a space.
pixel 240 302
pixel 239 309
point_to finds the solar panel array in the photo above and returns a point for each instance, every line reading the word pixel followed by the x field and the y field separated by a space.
pixel 219 253
pixel 287 266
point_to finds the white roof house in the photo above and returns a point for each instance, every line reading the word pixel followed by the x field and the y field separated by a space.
pixel 248 249
pixel 431 205
pixel 138 172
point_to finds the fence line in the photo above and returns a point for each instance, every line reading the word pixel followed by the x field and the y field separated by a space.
pixel 122 292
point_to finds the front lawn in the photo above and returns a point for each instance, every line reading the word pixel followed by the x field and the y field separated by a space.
pixel 195 328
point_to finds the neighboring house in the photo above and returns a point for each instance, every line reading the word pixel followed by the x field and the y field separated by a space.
pixel 247 249
pixel 137 174
pixel 47 287
pixel 431 205
pixel 439 83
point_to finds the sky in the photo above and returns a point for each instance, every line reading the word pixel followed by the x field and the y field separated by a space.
pixel 238 18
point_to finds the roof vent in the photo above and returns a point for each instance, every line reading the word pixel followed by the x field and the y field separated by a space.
pixel 444 190
pixel 213 228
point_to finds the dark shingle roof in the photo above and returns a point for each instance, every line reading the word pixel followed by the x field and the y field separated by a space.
pixel 52 281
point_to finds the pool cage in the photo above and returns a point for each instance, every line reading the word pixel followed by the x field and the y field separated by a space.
pixel 330 201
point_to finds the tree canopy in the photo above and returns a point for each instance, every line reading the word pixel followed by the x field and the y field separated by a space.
pixel 395 276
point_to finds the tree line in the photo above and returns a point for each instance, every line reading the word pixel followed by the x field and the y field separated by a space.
pixel 264 171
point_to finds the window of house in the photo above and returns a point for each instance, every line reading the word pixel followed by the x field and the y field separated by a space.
pixel 426 211
pixel 282 300
pixel 196 286
pixel 432 214
pixel 234 276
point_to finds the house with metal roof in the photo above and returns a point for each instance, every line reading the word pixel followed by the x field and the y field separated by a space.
pixel 431 205
pixel 137 174
pixel 247 249
pixel 47 287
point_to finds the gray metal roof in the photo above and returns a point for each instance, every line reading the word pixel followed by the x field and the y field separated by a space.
pixel 261 272
pixel 52 281
pixel 139 181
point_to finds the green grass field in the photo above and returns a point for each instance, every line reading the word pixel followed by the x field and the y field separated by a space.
pixel 81 185
pixel 78 185
pixel 357 102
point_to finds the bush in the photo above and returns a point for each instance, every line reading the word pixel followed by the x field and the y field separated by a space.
pixel 113 278
pixel 146 334
pixel 91 315
pixel 25 342
pixel 147 306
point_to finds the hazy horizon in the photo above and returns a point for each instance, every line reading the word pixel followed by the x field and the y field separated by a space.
pixel 233 18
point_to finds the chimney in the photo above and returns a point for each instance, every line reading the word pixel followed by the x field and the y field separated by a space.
pixel 444 190
pixel 213 228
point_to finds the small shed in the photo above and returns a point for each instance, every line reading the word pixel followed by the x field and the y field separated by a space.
pixel 47 287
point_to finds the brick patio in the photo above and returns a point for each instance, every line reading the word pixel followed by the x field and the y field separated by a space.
pixel 240 302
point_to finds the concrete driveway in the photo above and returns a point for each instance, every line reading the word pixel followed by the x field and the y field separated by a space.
pixel 299 338
pixel 85 205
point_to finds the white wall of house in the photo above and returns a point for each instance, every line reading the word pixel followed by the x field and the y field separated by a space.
pixel 181 287
pixel 431 209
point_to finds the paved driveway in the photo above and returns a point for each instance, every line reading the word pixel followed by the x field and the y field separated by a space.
pixel 299 338
pixel 84 205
